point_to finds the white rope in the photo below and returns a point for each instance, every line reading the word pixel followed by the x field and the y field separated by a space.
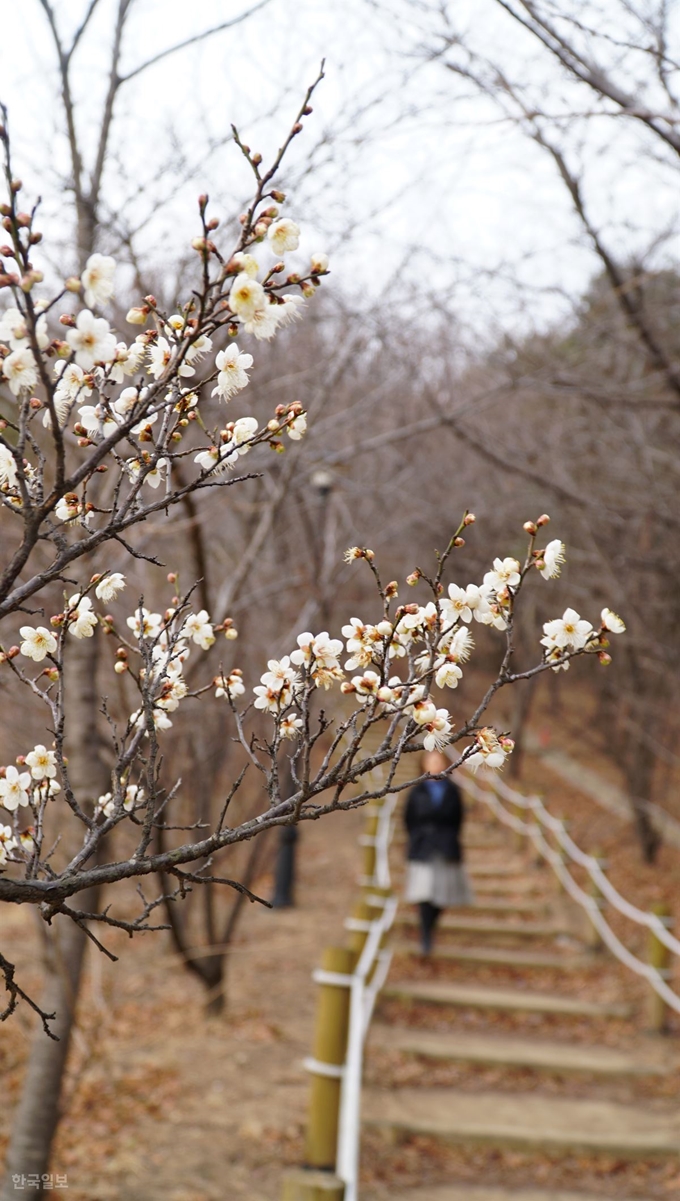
pixel 321 976
pixel 361 924
pixel 590 904
pixel 651 920
pixel 334 1071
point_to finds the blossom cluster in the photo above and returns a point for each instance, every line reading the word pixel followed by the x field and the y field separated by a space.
pixel 147 391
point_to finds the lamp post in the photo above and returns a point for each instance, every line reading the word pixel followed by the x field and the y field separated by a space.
pixel 284 872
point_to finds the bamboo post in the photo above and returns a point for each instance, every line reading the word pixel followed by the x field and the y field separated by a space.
pixel 362 916
pixel 368 842
pixel 593 936
pixel 330 1047
pixel 659 957
pixel 303 1185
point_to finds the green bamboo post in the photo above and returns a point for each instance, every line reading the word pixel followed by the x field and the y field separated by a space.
pixel 330 1047
pixel 362 912
pixel 370 831
pixel 593 937
pixel 303 1185
pixel 659 957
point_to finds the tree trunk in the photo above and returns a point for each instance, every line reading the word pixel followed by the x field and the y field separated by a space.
pixel 38 1111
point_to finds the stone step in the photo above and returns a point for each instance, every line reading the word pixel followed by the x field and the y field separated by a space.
pixel 470 996
pixel 503 957
pixel 508 868
pixel 560 1058
pixel 531 1122
pixel 486 905
pixel 510 887
pixel 468 1192
pixel 454 923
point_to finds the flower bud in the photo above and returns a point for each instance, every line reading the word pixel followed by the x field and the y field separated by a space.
pixel 459 542
pixel 297 128
pixel 604 658
pixel 52 674
pixel 203 201
pixel 13 652
pixel 230 634
pixel 256 159
pixel 23 220
pixel 260 230
pixel 530 527
pixel 543 519
pixel 5 210
pixel 16 186
pixel 392 590
pixel 347 687
pixel 279 197
pixel 307 289
pixel 72 284
pixel 119 667
pixel 151 301
pixel 34 238
pixel 319 263
pixel 57 620
pixel 137 316
pixel 35 403
pixel 30 279
pixel 199 244
pixel 273 425
pixel 413 578
pixel 67 319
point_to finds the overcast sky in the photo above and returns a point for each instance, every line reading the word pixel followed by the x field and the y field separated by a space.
pixel 409 167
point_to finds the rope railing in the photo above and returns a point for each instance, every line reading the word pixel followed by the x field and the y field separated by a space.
pixel 350 980
pixel 590 863
pixel 657 973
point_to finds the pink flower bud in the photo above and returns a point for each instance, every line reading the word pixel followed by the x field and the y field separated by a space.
pixel 543 519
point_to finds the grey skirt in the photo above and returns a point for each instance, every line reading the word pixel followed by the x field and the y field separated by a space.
pixel 443 884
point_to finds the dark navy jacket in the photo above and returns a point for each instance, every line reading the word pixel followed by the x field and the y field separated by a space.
pixel 434 829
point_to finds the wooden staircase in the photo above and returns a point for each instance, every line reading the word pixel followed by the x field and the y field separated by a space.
pixel 446 1010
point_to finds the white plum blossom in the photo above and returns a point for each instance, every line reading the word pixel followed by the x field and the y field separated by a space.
pixel 460 644
pixel 284 235
pixel 8 467
pixel 37 643
pixel 108 588
pixel 424 711
pixel 448 673
pixel 20 370
pixel 197 627
pixel 568 632
pixel 14 330
pixel 490 750
pixel 246 296
pixel 290 725
pixel 233 366
pixel 69 509
pixel 231 686
pixel 263 322
pixel 612 622
pixel 438 731
pixel 297 427
pixel 126 401
pixel 82 618
pixel 247 263
pixel 290 309
pixel 97 279
pixel 551 560
pixel 7 844
pixel 127 361
pixel 14 788
pixel 43 763
pixel 107 804
pixel 244 429
pixel 319 263
pixel 505 574
pixel 97 420
pixel 161 355
pixel 279 675
pixel 200 346
pixel 154 477
pixel 91 340
pixel 272 700
pixel 148 627
pixel 368 684
pixel 71 381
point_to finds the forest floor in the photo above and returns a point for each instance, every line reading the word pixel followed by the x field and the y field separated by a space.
pixel 165 1104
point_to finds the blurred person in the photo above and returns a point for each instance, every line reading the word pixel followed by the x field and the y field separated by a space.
pixel 436 877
